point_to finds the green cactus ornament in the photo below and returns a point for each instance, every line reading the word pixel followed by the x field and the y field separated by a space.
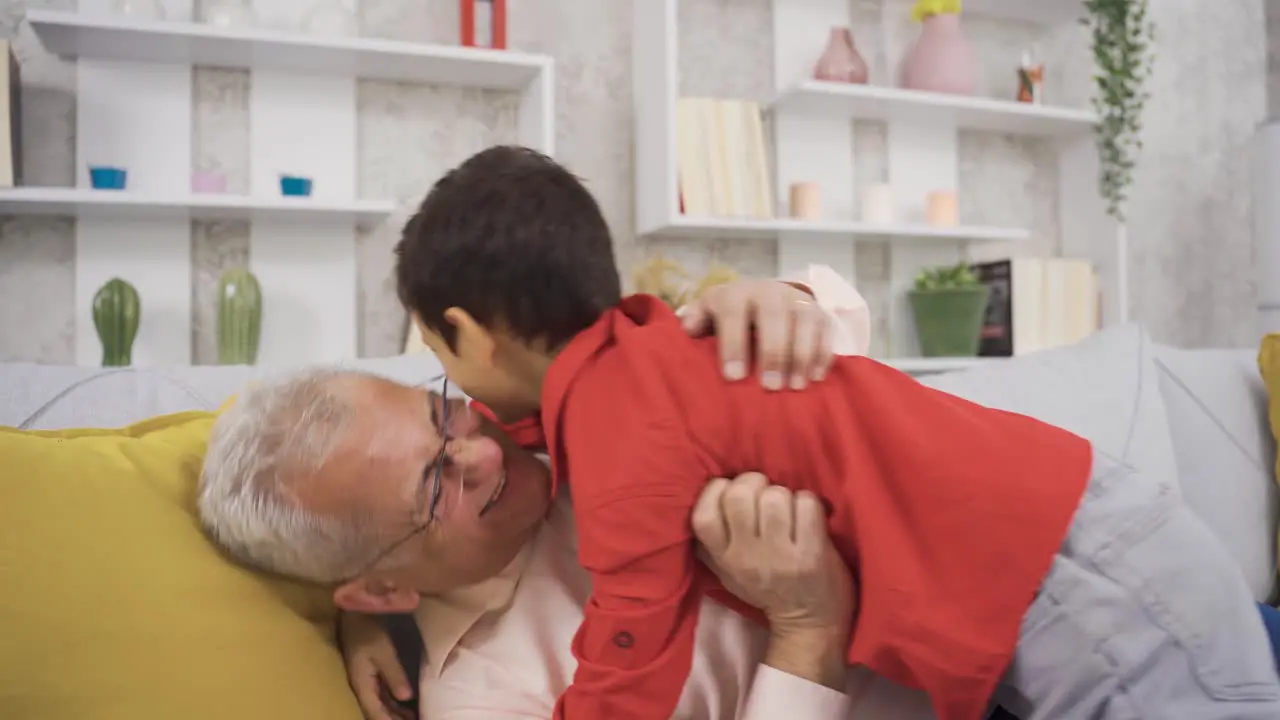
pixel 239 317
pixel 117 312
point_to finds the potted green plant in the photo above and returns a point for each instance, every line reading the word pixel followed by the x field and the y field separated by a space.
pixel 948 304
pixel 117 313
pixel 1122 37
pixel 239 317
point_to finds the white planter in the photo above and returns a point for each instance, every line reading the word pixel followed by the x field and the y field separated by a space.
pixel 331 20
pixel 140 9
pixel 228 13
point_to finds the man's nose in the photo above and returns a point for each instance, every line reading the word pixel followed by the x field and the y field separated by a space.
pixel 462 421
pixel 475 457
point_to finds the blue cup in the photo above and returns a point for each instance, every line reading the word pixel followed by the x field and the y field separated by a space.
pixel 294 186
pixel 105 177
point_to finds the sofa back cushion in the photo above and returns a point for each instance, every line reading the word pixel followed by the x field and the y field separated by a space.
pixel 46 396
pixel 1197 416
pixel 1217 413
pixel 1104 389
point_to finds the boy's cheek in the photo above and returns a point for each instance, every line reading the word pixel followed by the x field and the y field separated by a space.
pixel 422 331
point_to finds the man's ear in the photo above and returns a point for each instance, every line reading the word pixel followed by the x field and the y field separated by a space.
pixel 475 341
pixel 372 596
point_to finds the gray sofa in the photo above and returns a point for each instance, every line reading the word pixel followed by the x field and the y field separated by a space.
pixel 1198 416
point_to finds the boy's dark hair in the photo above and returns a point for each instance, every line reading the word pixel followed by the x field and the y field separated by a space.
pixel 511 237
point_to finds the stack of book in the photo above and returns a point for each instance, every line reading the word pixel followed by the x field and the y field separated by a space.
pixel 10 118
pixel 1037 304
pixel 721 159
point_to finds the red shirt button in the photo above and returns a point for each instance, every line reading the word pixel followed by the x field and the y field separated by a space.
pixel 624 640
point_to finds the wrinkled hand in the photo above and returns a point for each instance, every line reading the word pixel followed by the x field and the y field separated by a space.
pixel 373 669
pixel 793 335
pixel 771 548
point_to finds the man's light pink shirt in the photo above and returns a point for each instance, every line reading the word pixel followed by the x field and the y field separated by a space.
pixel 501 649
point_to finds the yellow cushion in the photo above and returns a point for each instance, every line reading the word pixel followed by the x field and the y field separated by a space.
pixel 1269 366
pixel 114 606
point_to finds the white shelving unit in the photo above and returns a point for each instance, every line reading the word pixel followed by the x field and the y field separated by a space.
pixel 812 135
pixel 125 205
pixel 134 105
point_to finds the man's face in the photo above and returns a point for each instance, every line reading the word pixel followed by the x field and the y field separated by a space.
pixel 492 495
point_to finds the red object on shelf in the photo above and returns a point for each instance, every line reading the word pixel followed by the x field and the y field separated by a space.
pixel 497 11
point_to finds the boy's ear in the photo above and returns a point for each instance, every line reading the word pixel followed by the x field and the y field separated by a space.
pixel 476 342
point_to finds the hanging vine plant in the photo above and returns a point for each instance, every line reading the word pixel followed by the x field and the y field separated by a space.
pixel 1123 39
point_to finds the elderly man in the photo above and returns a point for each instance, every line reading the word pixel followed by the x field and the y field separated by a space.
pixel 405 501
pixel 400 498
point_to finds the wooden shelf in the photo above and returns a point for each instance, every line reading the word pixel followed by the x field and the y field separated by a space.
pixel 870 102
pixel 840 232
pixel 930 366
pixel 76 35
pixel 84 202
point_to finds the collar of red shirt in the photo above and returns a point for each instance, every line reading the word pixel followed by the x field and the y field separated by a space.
pixel 542 431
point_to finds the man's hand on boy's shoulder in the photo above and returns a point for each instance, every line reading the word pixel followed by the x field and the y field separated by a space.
pixel 793 337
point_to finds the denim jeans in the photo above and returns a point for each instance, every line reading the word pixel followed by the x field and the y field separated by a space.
pixel 1270 619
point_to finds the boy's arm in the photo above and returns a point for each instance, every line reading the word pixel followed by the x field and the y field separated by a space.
pixel 634 476
pixel 635 645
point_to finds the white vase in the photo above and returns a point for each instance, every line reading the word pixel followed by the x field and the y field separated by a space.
pixel 228 13
pixel 140 9
pixel 878 205
pixel 332 20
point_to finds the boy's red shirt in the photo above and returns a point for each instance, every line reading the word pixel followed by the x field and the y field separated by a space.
pixel 948 513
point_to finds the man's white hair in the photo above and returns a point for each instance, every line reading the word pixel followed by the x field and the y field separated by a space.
pixel 277 434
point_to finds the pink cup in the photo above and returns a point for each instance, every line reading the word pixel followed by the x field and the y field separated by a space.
pixel 207 181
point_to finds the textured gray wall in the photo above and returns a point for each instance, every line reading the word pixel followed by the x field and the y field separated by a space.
pixel 1273 59
pixel 1190 225
pixel 1190 217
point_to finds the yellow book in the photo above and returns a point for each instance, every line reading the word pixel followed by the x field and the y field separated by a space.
pixel 691 172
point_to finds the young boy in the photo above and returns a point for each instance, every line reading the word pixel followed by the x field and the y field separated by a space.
pixel 993 551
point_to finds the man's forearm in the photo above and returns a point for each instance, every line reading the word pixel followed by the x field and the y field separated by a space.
pixel 802 676
pixel 813 654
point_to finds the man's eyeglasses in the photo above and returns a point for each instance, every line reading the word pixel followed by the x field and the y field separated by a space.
pixel 433 474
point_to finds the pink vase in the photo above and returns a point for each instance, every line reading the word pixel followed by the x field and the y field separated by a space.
pixel 942 59
pixel 840 61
